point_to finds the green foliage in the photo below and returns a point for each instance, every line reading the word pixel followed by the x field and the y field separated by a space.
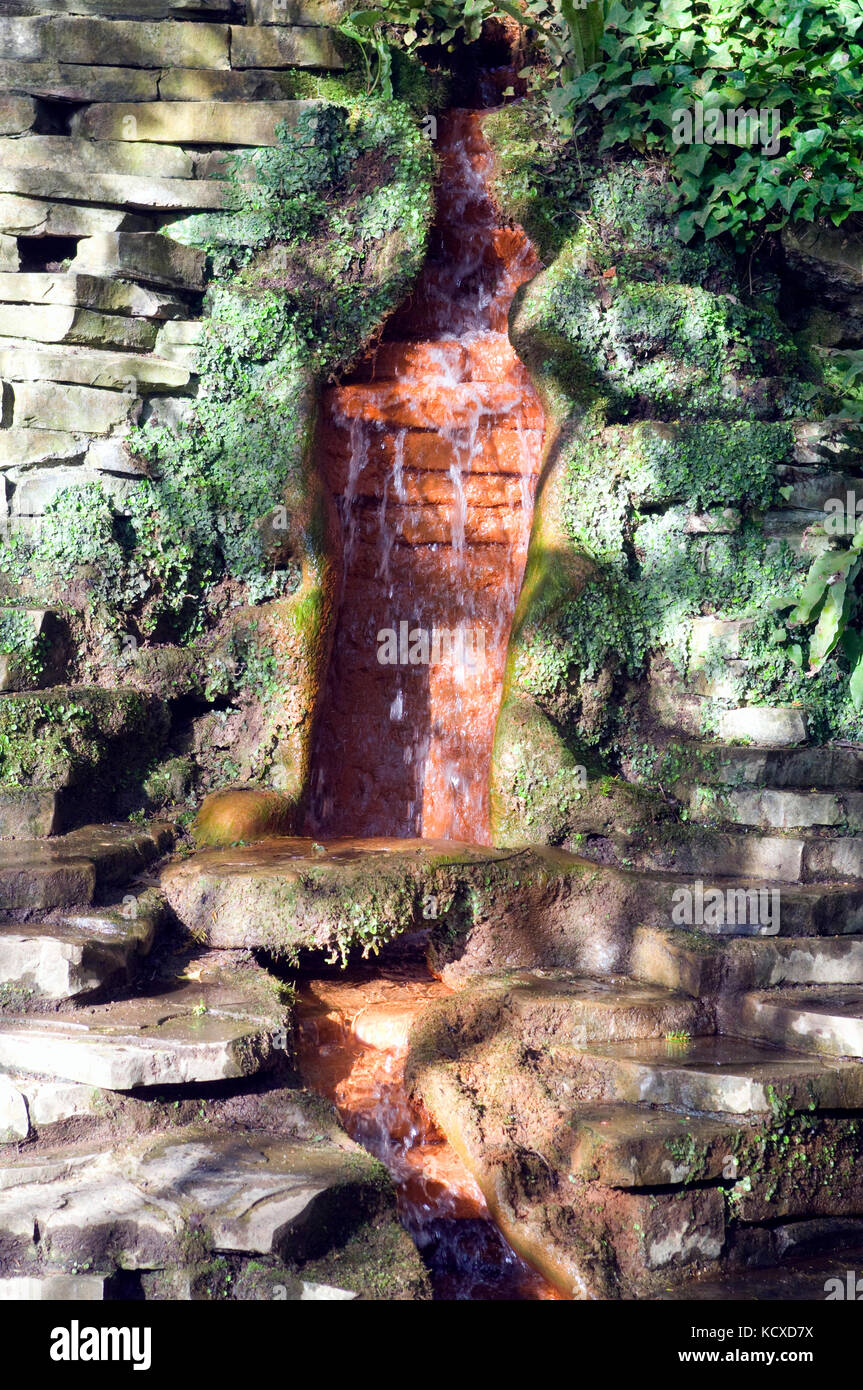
pixel 569 31
pixel 655 340
pixel 801 57
pixel 22 645
pixel 98 738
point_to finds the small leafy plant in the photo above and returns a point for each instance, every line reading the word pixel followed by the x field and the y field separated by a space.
pixel 800 58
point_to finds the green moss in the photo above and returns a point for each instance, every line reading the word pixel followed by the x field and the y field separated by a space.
pixel 101 739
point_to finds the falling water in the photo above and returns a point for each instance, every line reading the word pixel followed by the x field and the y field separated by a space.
pixel 352 1043
pixel 432 451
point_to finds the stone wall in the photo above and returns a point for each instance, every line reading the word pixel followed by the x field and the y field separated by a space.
pixel 115 119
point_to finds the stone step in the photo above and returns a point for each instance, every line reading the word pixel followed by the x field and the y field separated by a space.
pixel 133 1207
pixel 812 488
pixel 217 85
pixel 624 1145
pixel 68 870
pixel 730 907
pixel 29 1104
pixel 824 441
pixel 122 9
pixel 719 1075
pixel 699 852
pixel 186 122
pixel 284 46
pixel 578 1011
pixel 80 39
pixel 796 1281
pixel 772 808
pixel 701 965
pixel 34 489
pixel 287 893
pixel 89 292
pixel 48 405
pixel 66 323
pixel 80 82
pixel 145 256
pixel 828 1020
pixel 126 190
pixel 200 1032
pixel 762 725
pixel 81 952
pixel 801 531
pixel 21 360
pixel 717 764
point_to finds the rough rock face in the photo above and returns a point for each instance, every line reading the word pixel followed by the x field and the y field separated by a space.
pixel 623 1147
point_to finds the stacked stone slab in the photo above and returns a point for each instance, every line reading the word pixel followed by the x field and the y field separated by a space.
pixel 113 119
pixel 168 1189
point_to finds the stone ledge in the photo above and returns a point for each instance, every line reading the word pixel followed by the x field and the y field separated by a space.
pixel 89 41
pixel 189 123
pixel 73 82
pixel 124 190
pixel 88 292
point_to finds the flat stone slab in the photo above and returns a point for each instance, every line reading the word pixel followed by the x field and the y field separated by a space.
pixel 68 323
pixel 188 122
pixel 699 966
pixel 248 1194
pixel 30 1103
pixel 48 405
pixel 776 809
pixel 827 1021
pixel 206 1031
pixel 123 43
pixel 285 46
pixel 720 1075
pixel 38 217
pixel 17 114
pixel 146 256
pixel 78 81
pixel 759 724
pixel 65 871
pixel 634 1146
pixel 79 954
pixel 89 292
pixel 731 907
pixel 829 766
pixel 287 893
pixel 106 157
pixel 124 190
pixel 115 371
pixel 797 1281
pixel 577 1011
pixel 54 1288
